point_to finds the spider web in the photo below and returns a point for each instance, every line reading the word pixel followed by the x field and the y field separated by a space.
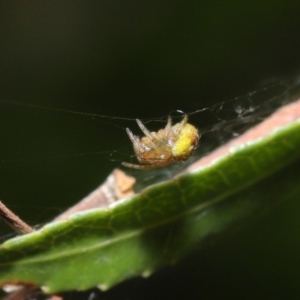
pixel 217 124
pixel 226 120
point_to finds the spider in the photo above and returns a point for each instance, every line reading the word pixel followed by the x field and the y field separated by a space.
pixel 158 149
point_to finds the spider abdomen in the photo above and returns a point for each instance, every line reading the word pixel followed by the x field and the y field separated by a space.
pixel 186 143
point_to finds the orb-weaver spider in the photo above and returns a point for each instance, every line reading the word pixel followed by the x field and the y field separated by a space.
pixel 158 149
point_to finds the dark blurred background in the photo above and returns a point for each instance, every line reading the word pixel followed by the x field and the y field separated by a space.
pixel 141 59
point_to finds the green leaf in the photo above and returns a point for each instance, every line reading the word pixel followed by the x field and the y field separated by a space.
pixel 135 236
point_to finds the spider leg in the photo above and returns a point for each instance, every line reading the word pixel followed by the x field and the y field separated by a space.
pixel 138 167
pixel 168 127
pixel 151 135
pixel 134 140
pixel 182 123
pixel 146 132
